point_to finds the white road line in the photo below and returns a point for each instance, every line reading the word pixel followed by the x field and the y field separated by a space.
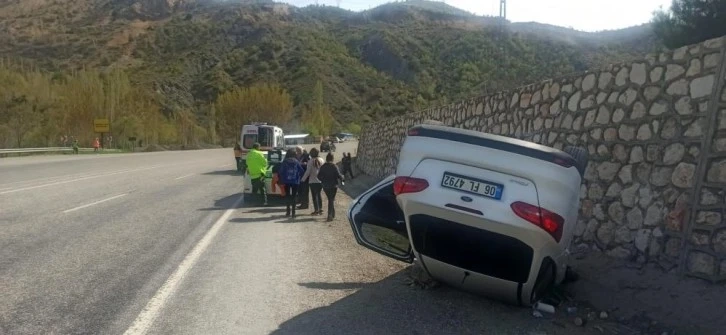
pixel 184 176
pixel 77 179
pixel 146 318
pixel 93 203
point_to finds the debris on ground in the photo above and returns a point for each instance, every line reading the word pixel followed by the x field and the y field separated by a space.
pixel 579 321
pixel 542 307
pixel 603 315
pixel 418 277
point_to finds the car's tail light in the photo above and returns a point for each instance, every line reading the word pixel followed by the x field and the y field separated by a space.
pixel 551 222
pixel 413 131
pixel 403 185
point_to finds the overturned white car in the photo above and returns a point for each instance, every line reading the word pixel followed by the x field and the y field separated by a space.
pixel 485 213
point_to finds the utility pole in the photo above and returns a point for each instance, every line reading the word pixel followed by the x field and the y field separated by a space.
pixel 502 12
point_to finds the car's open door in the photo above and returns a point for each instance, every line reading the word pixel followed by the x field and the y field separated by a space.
pixel 379 224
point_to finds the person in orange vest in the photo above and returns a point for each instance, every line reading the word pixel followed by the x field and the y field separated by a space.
pixel 96 144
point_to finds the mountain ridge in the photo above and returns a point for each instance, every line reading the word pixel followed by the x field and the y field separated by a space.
pixel 385 61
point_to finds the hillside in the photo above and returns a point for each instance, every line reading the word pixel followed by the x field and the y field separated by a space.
pixel 386 61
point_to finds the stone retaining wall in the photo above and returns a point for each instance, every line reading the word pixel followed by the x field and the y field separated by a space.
pixel 656 133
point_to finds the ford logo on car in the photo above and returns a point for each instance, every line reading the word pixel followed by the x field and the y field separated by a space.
pixel 467 199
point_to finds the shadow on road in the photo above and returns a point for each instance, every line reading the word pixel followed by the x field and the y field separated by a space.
pixel 277 218
pixel 227 203
pixel 223 173
pixel 333 286
pixel 391 307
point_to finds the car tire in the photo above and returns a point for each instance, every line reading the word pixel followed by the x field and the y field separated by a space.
pixel 545 281
pixel 581 157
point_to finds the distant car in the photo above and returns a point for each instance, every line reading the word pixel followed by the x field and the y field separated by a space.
pixel 481 212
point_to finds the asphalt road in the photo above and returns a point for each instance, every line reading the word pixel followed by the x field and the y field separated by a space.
pixel 161 243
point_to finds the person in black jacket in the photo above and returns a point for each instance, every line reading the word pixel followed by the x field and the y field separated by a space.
pixel 329 176
pixel 304 189
pixel 347 165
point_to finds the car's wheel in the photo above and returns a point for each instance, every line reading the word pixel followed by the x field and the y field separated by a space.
pixel 545 281
pixel 581 157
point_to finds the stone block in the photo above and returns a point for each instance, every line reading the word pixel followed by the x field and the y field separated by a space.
pixel 604 81
pixel 638 111
pixel 710 218
pixel 711 61
pixel 656 74
pixel 661 175
pixel 716 172
pixel 702 86
pixel 587 102
pixel 719 242
pixel 638 74
pixel 588 83
pixel 699 237
pixel 645 196
pixel 622 77
pixel 683 175
pixel 701 263
pixel 694 68
pixel 644 133
pixel 636 154
pixel 674 153
pixel 628 97
pixel 574 102
pixel 683 106
pixel 678 87
pixel 629 195
pixel 674 71
pixel 634 218
pixel 608 170
pixel 626 174
pixel 654 215
pixel 651 92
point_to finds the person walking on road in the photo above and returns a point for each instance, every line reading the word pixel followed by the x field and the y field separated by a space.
pixel 75 146
pixel 311 177
pixel 347 162
pixel 96 145
pixel 290 173
pixel 304 191
pixel 329 175
pixel 257 169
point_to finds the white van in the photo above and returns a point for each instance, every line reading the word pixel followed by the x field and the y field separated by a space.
pixel 481 212
pixel 270 138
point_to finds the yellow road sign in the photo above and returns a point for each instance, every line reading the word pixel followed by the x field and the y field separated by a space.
pixel 101 126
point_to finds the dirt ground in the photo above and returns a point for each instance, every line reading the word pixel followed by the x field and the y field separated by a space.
pixel 635 300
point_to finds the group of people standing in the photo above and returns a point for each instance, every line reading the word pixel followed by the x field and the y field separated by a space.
pixel 305 176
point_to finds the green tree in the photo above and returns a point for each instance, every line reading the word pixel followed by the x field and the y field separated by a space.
pixel 690 21
pixel 257 103
pixel 317 117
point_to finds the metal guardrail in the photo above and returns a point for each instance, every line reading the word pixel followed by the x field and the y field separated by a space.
pixel 31 150
pixel 4 152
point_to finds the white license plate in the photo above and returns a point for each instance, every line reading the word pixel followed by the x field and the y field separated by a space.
pixel 472 185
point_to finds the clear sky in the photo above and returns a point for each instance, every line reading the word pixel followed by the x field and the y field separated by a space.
pixel 587 15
